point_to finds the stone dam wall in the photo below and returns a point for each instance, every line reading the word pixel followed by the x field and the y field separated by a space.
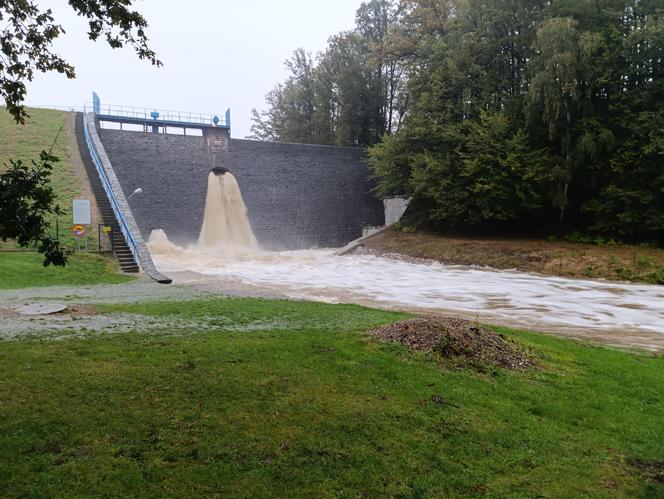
pixel 298 196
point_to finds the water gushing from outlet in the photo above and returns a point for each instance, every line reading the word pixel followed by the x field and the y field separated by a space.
pixel 225 223
pixel 225 231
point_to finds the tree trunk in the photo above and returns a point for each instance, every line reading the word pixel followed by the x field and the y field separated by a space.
pixel 568 164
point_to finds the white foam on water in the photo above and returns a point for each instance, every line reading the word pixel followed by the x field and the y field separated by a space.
pixel 510 297
pixel 228 251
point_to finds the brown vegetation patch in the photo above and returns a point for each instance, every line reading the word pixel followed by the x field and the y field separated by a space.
pixel 7 312
pixel 458 340
pixel 560 258
pixel 78 311
pixel 654 469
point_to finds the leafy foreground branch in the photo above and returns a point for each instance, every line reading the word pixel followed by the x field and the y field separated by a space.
pixel 27 34
pixel 26 197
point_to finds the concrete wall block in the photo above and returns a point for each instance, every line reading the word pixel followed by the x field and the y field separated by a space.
pixel 297 196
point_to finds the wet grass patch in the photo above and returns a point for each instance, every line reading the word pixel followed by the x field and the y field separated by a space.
pixel 317 407
pixel 26 269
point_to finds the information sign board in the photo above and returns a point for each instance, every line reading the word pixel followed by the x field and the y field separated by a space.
pixel 82 212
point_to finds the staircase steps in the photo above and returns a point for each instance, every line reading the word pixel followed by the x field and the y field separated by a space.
pixel 119 245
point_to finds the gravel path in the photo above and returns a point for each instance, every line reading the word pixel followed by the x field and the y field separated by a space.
pixel 78 322
pixel 187 286
pixel 193 286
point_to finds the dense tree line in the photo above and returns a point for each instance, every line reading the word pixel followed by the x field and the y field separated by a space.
pixel 351 95
pixel 531 116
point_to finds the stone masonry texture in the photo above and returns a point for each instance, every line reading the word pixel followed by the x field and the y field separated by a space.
pixel 297 196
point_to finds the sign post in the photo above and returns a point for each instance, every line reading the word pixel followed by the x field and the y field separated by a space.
pixel 81 214
pixel 106 230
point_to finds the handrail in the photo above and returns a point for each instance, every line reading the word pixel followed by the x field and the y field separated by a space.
pixel 131 242
pixel 120 111
pixel 145 113
pixel 137 247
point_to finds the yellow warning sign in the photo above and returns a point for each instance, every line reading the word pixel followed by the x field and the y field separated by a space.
pixel 106 229
pixel 78 230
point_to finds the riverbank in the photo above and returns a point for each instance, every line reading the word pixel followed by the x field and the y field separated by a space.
pixel 641 264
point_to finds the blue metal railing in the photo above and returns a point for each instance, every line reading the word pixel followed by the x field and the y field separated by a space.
pixel 143 113
pixel 124 227
pixel 147 114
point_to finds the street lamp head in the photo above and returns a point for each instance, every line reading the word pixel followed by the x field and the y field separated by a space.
pixel 138 190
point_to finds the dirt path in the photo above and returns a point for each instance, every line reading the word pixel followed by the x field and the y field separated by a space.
pixel 80 177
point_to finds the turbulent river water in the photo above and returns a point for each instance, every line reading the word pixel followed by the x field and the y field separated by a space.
pixel 515 298
pixel 227 251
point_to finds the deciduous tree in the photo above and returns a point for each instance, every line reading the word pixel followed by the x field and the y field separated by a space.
pixel 27 33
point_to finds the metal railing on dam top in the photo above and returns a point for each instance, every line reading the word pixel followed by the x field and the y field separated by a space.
pixel 158 116
pixel 148 115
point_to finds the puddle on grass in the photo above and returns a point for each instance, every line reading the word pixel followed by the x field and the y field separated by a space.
pixel 62 326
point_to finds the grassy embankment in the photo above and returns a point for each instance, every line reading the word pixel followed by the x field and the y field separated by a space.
pixel 613 262
pixel 292 399
pixel 24 270
pixel 25 142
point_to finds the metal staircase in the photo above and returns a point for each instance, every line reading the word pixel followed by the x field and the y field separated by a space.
pixel 118 243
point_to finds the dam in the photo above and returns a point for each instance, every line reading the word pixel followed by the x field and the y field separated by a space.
pixel 297 196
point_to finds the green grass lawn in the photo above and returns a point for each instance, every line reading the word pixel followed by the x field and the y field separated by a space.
pixel 25 142
pixel 25 269
pixel 293 400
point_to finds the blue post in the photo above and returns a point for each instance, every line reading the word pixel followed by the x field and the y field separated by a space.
pixel 228 117
pixel 96 103
pixel 155 126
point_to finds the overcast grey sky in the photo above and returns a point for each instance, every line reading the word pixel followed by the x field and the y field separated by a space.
pixel 216 53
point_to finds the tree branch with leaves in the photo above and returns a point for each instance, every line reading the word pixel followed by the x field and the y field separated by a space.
pixel 26 193
pixel 27 33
